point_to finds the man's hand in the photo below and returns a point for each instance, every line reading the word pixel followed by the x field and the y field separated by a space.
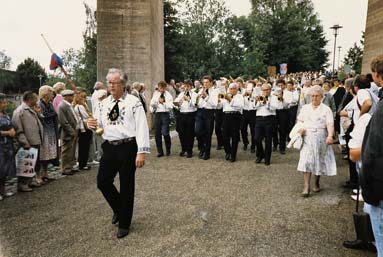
pixel 140 160
pixel 302 132
pixel 27 146
pixel 11 132
pixel 92 123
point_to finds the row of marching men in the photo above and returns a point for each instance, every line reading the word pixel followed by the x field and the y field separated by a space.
pixel 230 108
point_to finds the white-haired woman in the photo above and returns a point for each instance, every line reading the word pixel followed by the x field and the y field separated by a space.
pixel 49 146
pixel 316 155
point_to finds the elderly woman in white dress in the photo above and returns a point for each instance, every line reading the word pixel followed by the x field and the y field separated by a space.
pixel 316 155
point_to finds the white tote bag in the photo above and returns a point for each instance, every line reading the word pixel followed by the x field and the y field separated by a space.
pixel 26 162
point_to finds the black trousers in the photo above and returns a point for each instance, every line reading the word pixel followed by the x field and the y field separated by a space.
pixel 248 119
pixel 231 127
pixel 354 178
pixel 84 140
pixel 161 128
pixel 121 159
pixel 204 129
pixel 199 129
pixel 185 126
pixel 292 118
pixel 264 129
pixel 218 116
pixel 282 125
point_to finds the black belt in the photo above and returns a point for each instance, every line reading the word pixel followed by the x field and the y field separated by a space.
pixel 187 113
pixel 266 117
pixel 121 141
pixel 231 112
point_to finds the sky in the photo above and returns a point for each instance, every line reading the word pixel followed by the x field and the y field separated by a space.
pixel 62 23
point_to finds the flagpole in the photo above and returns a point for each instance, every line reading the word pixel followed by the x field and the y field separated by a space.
pixel 61 67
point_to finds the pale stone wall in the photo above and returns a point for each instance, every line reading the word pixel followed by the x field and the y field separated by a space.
pixel 130 36
pixel 373 45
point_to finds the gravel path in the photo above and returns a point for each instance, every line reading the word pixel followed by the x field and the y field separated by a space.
pixel 186 207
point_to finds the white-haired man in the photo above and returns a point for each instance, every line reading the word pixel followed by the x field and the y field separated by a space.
pixel 266 106
pixel 126 136
pixel 233 104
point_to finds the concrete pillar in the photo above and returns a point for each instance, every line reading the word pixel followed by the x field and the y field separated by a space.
pixel 130 36
pixel 373 43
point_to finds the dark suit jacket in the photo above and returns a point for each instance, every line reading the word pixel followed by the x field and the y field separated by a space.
pixel 67 121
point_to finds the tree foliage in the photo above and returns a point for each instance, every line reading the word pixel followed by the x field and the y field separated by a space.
pixel 29 71
pixel 354 56
pixel 82 64
pixel 291 32
pixel 5 60
pixel 208 39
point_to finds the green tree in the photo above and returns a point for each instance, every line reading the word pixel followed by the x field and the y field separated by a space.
pixel 290 32
pixel 174 42
pixel 82 64
pixel 29 71
pixel 354 58
pixel 203 24
pixel 5 60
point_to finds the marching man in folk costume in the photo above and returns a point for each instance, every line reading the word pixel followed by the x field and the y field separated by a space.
pixel 282 125
pixel 126 134
pixel 232 115
pixel 208 101
pixel 249 115
pixel 161 105
pixel 266 106
pixel 186 101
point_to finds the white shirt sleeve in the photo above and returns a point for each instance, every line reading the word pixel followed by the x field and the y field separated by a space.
pixel 357 133
pixel 237 102
pixel 212 98
pixel 362 96
pixel 142 130
pixel 274 104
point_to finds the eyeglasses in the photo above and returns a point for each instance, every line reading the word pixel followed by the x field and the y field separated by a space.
pixel 114 82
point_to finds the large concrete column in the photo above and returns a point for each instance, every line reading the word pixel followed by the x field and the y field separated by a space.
pixel 130 36
pixel 373 42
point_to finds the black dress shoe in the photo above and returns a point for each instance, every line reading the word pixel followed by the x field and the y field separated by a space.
pixel 360 245
pixel 245 147
pixel 232 159
pixel 267 163
pixel 274 148
pixel 252 150
pixel 200 155
pixel 258 160
pixel 282 151
pixel 160 155
pixel 182 153
pixel 189 155
pixel 227 156
pixel 122 232
pixel 114 219
pixel 167 153
pixel 206 157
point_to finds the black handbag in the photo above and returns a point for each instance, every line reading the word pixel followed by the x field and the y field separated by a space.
pixel 362 224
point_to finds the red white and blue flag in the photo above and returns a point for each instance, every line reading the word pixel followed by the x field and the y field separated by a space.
pixel 56 62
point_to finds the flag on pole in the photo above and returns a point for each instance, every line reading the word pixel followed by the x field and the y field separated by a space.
pixel 55 62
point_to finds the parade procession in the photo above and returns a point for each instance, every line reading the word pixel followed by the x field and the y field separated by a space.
pixel 192 128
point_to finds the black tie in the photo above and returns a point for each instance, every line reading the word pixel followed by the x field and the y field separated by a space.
pixel 115 112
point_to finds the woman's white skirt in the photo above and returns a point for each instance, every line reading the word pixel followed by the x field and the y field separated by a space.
pixel 316 156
